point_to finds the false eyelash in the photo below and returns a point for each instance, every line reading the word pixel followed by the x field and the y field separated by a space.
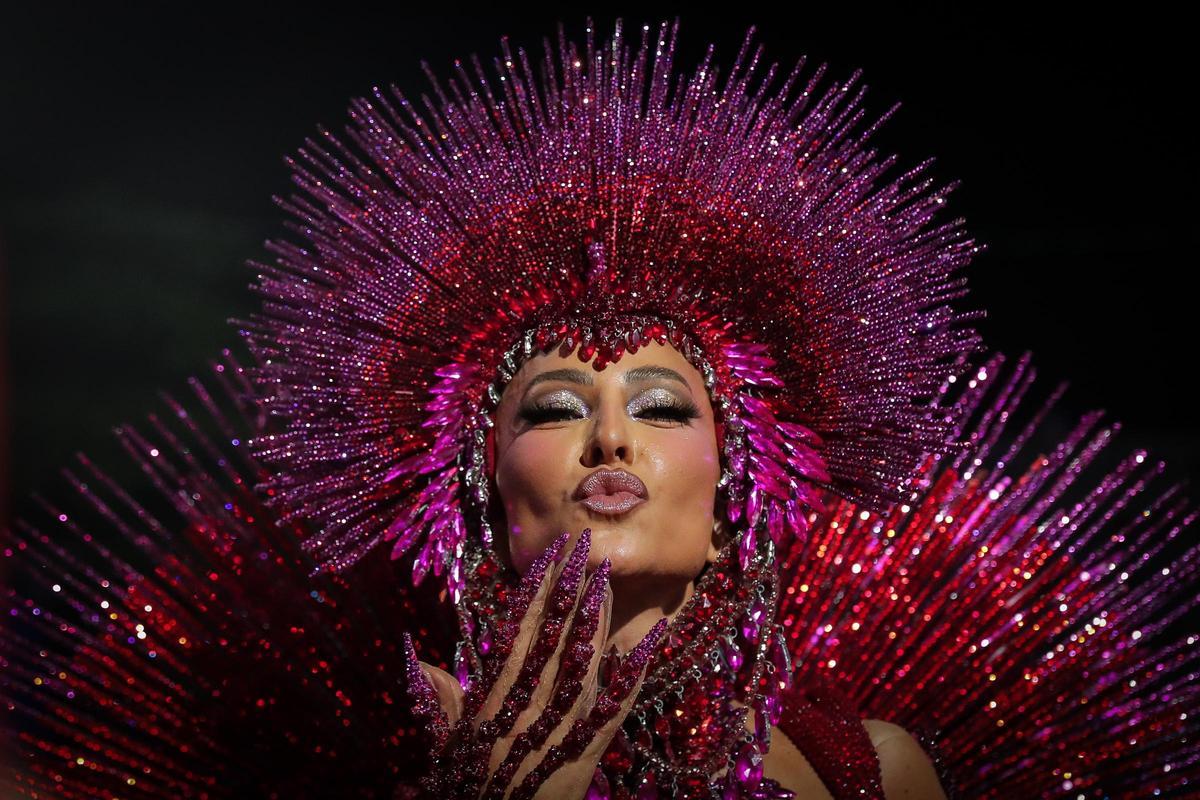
pixel 537 415
pixel 675 412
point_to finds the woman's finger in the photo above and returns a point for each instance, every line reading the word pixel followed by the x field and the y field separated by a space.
pixel 564 687
pixel 559 606
pixel 449 691
pixel 514 693
pixel 512 638
pixel 590 679
pixel 612 705
pixel 430 704
pixel 476 733
pixel 567 662
pixel 608 729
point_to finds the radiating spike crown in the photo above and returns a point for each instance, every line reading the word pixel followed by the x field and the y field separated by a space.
pixel 602 205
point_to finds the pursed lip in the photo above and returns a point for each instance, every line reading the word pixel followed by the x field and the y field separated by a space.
pixel 608 491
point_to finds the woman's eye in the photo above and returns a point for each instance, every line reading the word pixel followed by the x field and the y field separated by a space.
pixel 662 405
pixel 657 405
pixel 537 416
pixel 670 410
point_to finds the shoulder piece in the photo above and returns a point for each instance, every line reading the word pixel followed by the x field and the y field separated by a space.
pixel 826 727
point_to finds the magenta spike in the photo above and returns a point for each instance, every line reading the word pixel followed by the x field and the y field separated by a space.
pixel 599 788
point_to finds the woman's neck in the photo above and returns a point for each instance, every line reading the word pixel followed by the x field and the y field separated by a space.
pixel 638 603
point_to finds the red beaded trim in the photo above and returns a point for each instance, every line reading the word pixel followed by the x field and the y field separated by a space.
pixel 825 726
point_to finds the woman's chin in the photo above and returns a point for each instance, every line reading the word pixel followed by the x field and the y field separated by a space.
pixel 630 551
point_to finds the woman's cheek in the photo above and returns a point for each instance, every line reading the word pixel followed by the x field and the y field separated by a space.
pixel 533 470
pixel 695 479
pixel 689 464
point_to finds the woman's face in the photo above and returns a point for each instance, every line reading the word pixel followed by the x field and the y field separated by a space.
pixel 629 451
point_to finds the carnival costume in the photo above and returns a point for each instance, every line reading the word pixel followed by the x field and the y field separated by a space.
pixel 894 551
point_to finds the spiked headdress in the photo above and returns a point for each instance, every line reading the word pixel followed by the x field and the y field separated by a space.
pixel 605 204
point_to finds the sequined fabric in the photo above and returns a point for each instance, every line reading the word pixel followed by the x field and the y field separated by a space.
pixel 828 730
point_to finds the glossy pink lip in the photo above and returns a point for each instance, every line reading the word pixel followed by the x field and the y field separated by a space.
pixel 609 491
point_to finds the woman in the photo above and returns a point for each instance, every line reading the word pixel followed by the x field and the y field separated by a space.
pixel 847 528
pixel 628 455
pixel 596 217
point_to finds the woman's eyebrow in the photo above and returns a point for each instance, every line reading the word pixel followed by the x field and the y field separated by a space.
pixel 569 375
pixel 654 371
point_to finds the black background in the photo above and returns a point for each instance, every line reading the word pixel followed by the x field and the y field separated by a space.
pixel 139 149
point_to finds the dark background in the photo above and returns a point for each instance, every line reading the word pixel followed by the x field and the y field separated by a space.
pixel 139 150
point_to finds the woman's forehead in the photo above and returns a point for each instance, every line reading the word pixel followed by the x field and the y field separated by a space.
pixel 651 361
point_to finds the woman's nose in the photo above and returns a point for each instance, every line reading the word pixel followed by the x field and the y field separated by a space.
pixel 609 438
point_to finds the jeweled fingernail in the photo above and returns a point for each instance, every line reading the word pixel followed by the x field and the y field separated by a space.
pixel 597 588
pixel 540 564
pixel 568 583
pixel 521 598
pixel 426 702
pixel 586 621
pixel 416 676
pixel 573 571
pixel 531 581
pixel 638 657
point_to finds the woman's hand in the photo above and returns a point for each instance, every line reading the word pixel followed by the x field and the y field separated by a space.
pixel 535 723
